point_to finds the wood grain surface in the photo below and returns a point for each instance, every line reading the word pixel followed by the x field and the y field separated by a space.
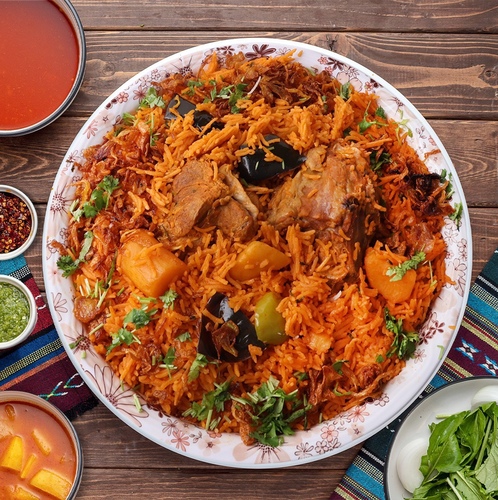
pixel 443 56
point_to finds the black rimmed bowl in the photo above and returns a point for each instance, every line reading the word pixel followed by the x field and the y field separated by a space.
pixel 42 75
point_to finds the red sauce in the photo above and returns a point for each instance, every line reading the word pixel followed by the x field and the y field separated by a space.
pixel 38 61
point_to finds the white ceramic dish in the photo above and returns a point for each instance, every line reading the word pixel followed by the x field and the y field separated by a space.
pixel 33 311
pixel 446 400
pixel 34 222
pixel 329 437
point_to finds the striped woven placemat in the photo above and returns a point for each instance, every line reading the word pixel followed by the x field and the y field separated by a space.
pixel 474 353
pixel 40 365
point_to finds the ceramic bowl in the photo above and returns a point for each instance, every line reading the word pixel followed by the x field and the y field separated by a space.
pixel 33 314
pixel 63 423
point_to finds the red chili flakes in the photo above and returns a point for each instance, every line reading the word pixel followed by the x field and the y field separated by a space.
pixel 15 222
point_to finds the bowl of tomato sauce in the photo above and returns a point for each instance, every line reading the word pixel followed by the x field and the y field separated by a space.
pixel 40 453
pixel 42 63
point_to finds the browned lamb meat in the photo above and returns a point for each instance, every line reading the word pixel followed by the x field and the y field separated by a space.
pixel 333 195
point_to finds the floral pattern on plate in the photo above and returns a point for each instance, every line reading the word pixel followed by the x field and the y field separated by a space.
pixel 327 438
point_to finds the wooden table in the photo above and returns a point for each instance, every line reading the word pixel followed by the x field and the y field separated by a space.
pixel 443 56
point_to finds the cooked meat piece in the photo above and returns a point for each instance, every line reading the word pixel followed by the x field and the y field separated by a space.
pixel 195 191
pixel 200 199
pixel 335 196
pixel 233 220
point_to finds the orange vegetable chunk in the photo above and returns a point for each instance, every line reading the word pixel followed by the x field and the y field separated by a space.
pixel 256 258
pixel 41 441
pixel 13 455
pixel 377 264
pixel 148 264
pixel 29 465
pixel 51 483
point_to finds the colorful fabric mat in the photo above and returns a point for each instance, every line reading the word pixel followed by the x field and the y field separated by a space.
pixel 40 365
pixel 474 353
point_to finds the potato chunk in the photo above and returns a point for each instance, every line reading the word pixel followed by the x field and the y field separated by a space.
pixel 51 483
pixel 41 441
pixel 13 455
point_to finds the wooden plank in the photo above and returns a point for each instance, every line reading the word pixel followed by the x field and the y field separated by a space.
pixel 303 15
pixel 31 162
pixel 437 73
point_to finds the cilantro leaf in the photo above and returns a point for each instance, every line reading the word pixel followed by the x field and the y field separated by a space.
pixel 213 401
pixel 122 336
pixel 168 298
pixel 404 343
pixel 139 317
pixel 168 360
pixel 151 100
pixel 457 214
pixel 397 272
pixel 66 263
pixel 345 91
pixel 199 362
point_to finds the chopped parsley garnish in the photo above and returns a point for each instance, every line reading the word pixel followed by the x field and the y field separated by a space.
pixel 199 362
pixel 139 317
pixel 457 214
pixel 192 85
pixel 152 99
pixel 168 299
pixel 272 412
pixel 345 91
pixel 212 402
pixel 122 336
pixel 184 337
pixel 397 272
pixel 445 177
pixel 66 263
pixel 365 124
pixel 99 199
pixel 232 93
pixel 377 161
pixel 168 360
pixel 404 343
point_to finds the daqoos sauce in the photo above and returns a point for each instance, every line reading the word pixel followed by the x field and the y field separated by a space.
pixel 38 61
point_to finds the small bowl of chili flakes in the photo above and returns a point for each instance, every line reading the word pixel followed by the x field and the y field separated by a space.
pixel 18 222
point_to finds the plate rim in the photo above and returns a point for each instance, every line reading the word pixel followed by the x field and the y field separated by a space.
pixel 391 90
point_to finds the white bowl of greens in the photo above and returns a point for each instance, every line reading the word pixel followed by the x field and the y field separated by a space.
pixel 447 445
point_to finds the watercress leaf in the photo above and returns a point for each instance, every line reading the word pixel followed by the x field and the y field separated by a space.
pixel 487 473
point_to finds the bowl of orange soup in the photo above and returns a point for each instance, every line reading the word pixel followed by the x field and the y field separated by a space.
pixel 40 453
pixel 42 63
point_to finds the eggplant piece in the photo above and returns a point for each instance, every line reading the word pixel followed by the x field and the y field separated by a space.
pixel 254 168
pixel 229 342
pixel 201 118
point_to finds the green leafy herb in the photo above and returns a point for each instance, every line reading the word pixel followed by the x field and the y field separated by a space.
pixel 99 199
pixel 66 263
pixel 272 411
pixel 445 177
pixel 192 85
pixel 403 124
pixel 168 361
pixel 212 402
pixel 397 272
pixel 152 99
pixel 404 343
pixel 169 298
pixel 122 336
pixel 457 214
pixel 184 337
pixel 127 119
pixel 139 317
pixel 365 124
pixel 377 161
pixel 301 376
pixel 232 93
pixel 345 91
pixel 462 456
pixel 337 366
pixel 199 362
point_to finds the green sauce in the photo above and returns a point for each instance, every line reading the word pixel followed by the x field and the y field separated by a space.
pixel 14 312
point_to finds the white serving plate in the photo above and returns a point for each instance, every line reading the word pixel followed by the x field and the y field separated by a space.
pixel 330 437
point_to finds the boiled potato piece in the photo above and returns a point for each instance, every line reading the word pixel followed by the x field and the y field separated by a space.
pixel 29 464
pixel 376 266
pixel 256 258
pixel 20 493
pixel 148 264
pixel 13 455
pixel 41 441
pixel 51 483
